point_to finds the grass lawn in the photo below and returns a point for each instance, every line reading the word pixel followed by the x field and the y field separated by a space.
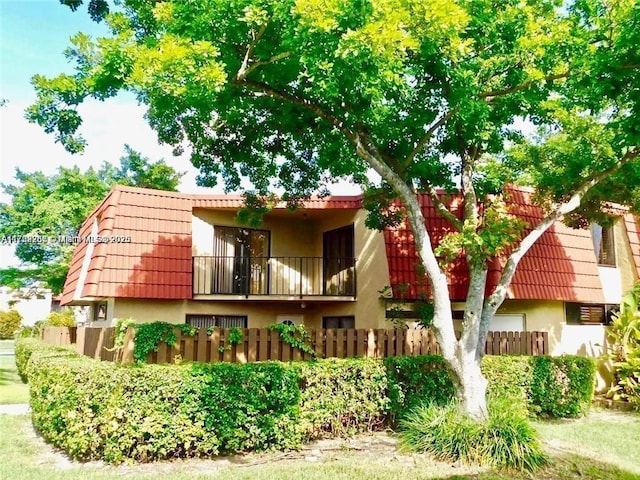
pixel 12 390
pixel 603 446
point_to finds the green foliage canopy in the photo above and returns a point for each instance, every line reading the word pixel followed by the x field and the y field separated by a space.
pixel 282 91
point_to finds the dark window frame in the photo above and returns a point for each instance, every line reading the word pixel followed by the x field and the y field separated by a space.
pixel 208 320
pixel 96 309
pixel 588 313
pixel 604 244
pixel 343 321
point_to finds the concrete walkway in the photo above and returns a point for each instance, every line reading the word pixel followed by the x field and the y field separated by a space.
pixel 16 409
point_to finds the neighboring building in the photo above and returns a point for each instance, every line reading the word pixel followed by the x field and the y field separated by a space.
pixel 182 258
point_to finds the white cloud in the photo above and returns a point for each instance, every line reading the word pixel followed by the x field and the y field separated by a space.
pixel 107 127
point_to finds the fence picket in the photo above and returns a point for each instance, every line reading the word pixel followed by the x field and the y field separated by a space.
pixel 259 344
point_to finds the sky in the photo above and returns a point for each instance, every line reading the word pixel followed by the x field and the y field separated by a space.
pixel 33 37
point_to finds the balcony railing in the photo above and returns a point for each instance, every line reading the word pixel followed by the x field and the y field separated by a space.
pixel 283 276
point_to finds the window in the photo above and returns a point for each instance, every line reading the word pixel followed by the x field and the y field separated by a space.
pixel 240 260
pixel 99 313
pixel 588 314
pixel 348 321
pixel 339 261
pixel 604 244
pixel 221 321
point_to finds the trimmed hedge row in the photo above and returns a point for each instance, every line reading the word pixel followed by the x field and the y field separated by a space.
pixel 100 410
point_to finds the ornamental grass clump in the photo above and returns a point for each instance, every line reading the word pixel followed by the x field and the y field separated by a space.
pixel 507 440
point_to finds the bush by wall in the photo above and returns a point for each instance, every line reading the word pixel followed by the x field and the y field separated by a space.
pixel 341 397
pixel 249 406
pixel 510 377
pixel 416 380
pixel 62 318
pixel 101 410
pixel 26 347
pixel 9 323
pixel 562 386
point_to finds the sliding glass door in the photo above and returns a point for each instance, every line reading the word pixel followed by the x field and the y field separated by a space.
pixel 240 260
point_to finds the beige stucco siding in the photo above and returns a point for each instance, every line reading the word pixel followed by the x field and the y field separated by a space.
pixel 624 257
pixel 259 313
pixel 300 236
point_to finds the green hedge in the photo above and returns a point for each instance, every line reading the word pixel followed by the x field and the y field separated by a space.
pixel 562 386
pixel 101 410
pixel 341 397
pixel 414 380
pixel 25 347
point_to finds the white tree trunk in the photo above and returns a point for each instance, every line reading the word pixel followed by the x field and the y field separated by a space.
pixel 471 386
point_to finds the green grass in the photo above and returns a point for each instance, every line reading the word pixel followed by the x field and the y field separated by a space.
pixel 603 446
pixel 611 436
pixel 12 390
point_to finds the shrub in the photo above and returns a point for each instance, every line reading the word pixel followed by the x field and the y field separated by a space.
pixel 9 323
pixel 62 318
pixel 341 397
pixel 417 380
pixel 562 386
pixel 510 377
pixel 95 410
pixel 28 332
pixel 26 347
pixel 251 406
pixel 624 349
pixel 101 410
pixel 507 440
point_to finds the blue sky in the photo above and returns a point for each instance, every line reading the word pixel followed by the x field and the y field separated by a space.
pixel 33 37
pixel 34 33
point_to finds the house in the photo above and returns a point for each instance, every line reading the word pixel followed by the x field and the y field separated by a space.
pixel 163 256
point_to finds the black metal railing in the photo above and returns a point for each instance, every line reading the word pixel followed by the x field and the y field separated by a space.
pixel 289 276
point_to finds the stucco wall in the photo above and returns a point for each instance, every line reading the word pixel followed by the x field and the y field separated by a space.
pixel 564 339
pixel 259 313
pixel 624 257
pixel 296 235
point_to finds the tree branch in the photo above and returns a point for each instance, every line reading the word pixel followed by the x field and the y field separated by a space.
pixel 301 102
pixel 247 70
pixel 493 302
pixel 428 134
pixel 442 322
pixel 442 209
pixel 249 53
pixel 518 88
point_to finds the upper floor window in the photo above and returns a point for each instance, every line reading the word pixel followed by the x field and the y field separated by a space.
pixel 604 244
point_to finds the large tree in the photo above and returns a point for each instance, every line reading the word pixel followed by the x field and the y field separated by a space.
pixel 429 94
pixel 49 207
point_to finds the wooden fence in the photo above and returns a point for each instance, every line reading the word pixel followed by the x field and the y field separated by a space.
pixel 93 342
pixel 259 344
pixel 58 335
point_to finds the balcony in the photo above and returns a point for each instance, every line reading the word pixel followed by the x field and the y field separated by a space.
pixel 277 277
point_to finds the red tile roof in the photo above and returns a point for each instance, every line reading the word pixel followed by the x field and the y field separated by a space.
pixel 235 202
pixel 157 261
pixel 560 266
